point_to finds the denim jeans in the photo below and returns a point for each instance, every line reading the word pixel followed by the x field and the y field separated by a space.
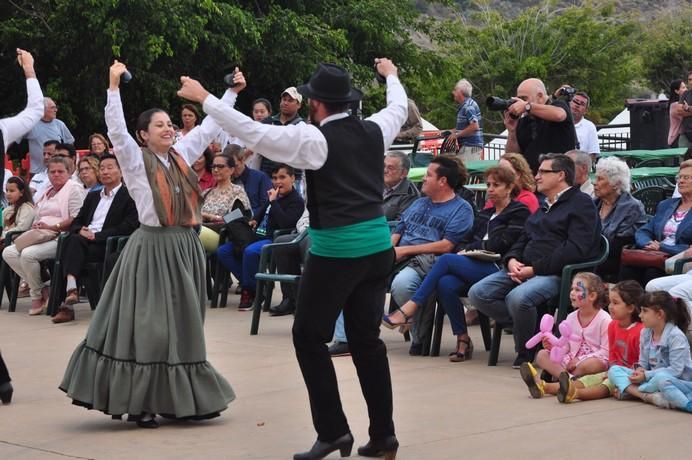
pixel 246 268
pixel 451 277
pixel 498 297
pixel 678 392
pixel 404 284
pixel 340 330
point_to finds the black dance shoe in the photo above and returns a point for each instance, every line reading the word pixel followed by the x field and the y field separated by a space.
pixel 6 391
pixel 321 449
pixel 386 448
pixel 150 423
pixel 286 307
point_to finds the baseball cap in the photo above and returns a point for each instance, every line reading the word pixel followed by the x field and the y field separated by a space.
pixel 293 92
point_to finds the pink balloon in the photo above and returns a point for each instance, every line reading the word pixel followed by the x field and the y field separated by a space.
pixel 546 330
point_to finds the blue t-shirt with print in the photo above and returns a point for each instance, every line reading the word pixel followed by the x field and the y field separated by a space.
pixel 428 222
pixel 470 112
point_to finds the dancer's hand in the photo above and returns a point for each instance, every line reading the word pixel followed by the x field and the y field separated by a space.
pixel 192 90
pixel 116 70
pixel 26 62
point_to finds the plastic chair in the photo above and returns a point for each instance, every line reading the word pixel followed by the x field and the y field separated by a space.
pixel 492 339
pixel 650 197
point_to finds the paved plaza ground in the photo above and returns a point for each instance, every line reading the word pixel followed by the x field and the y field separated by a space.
pixel 443 410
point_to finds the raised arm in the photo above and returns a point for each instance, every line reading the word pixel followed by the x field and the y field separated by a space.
pixel 393 116
pixel 192 146
pixel 125 147
pixel 13 128
pixel 301 146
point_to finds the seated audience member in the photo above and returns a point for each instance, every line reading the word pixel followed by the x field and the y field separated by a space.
pixel 670 230
pixel 399 192
pixel 582 168
pixel 565 231
pixel 19 214
pixel 55 211
pixel 621 214
pixel 107 212
pixel 68 151
pixel 89 175
pixel 525 181
pixel 189 117
pixel 39 181
pixel 255 183
pixel 282 211
pixel 288 261
pixel 261 110
pixel 98 145
pixel 202 166
pixel 587 351
pixel 220 200
pixel 494 229
pixel 678 286
pixel 432 225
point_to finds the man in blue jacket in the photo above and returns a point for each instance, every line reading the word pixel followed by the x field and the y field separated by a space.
pixel 566 230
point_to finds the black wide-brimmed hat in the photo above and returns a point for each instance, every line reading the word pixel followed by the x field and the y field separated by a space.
pixel 330 83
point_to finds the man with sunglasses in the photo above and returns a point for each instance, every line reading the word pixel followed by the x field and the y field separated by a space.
pixel 566 230
pixel 537 125
pixel 586 130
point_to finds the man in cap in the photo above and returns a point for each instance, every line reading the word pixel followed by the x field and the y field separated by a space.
pixel 351 254
pixel 291 101
pixel 11 129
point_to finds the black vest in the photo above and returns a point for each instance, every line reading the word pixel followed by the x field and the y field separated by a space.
pixel 347 189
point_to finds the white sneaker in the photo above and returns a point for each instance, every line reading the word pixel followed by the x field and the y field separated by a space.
pixel 657 399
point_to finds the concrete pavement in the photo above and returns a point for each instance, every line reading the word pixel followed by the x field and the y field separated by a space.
pixel 443 410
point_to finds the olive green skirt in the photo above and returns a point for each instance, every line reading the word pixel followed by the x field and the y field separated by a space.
pixel 144 351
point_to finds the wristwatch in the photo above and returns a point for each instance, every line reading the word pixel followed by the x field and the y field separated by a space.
pixel 527 107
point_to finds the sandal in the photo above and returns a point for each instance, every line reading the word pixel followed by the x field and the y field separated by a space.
pixel 388 323
pixel 459 356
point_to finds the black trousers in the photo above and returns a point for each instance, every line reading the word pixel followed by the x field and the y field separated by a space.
pixel 78 251
pixel 359 286
pixel 288 260
pixel 4 373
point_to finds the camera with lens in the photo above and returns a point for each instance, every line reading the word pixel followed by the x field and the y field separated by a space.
pixel 566 92
pixel 498 104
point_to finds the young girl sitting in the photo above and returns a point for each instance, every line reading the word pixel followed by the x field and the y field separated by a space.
pixel 19 215
pixel 664 352
pixel 589 353
pixel 623 339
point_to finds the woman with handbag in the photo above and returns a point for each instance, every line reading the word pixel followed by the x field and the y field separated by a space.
pixel 494 231
pixel 56 209
pixel 144 353
pixel 667 234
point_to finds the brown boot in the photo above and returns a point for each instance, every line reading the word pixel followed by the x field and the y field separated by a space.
pixel 72 297
pixel 64 315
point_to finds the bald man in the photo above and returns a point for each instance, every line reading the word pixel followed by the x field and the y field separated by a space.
pixel 537 125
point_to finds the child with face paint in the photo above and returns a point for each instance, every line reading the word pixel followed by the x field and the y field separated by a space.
pixel 588 349
pixel 623 338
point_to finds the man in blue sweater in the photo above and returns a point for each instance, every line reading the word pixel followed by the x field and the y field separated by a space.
pixel 566 230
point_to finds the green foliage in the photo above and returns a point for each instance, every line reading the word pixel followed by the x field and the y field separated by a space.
pixel 667 50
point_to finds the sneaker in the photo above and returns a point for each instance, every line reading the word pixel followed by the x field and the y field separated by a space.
pixel 247 298
pixel 568 390
pixel 23 290
pixel 339 349
pixel 528 375
pixel 657 399
pixel 64 315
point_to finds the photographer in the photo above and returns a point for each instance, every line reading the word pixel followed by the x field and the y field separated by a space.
pixel 538 125
pixel 579 103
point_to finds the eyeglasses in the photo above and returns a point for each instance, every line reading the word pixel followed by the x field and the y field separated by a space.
pixel 547 171
pixel 391 168
pixel 579 103
pixel 683 177
pixel 55 107
pixel 219 166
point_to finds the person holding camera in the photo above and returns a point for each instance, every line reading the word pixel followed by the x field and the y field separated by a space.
pixel 537 125
pixel 468 132
pixel 351 255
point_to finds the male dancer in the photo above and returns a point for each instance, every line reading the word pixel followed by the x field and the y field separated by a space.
pixel 351 254
pixel 11 129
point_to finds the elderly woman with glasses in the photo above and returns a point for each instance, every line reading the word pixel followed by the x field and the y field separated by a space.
pixel 669 231
pixel 219 200
pixel 621 214
pixel 98 145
